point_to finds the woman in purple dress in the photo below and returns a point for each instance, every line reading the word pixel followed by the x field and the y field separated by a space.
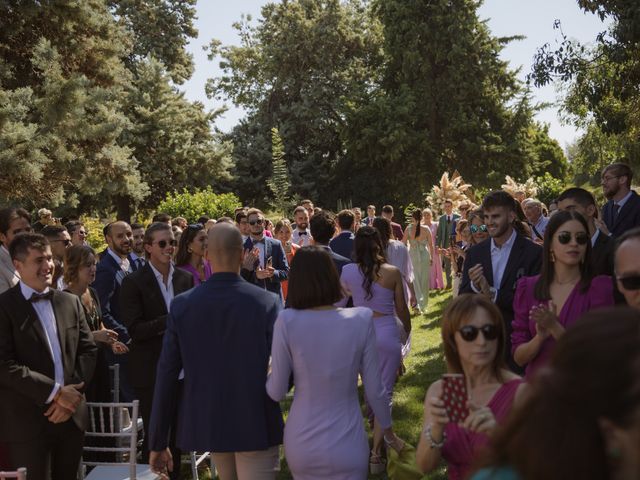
pixel 547 304
pixel 375 284
pixel 191 251
pixel 473 336
pixel 325 348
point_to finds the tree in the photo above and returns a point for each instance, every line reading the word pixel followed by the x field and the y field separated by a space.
pixel 279 182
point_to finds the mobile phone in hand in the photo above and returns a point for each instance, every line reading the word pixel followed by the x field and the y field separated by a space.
pixel 454 396
pixel 269 262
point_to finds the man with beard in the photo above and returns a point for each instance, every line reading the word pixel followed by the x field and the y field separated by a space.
pixel 622 211
pixel 111 269
pixel 301 235
pixel 493 266
pixel 136 257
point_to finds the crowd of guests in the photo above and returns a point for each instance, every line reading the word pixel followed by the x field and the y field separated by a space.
pixel 213 323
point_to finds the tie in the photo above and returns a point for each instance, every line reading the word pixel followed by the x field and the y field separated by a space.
pixel 448 219
pixel 36 297
pixel 616 209
pixel 140 263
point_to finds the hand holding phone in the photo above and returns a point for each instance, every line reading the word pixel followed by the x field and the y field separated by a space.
pixel 455 397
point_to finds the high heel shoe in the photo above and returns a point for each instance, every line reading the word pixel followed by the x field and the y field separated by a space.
pixel 377 464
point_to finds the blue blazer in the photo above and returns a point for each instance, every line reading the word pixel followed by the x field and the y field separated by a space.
pixel 109 277
pixel 220 333
pixel 343 244
pixel 628 217
pixel 272 248
pixel 338 260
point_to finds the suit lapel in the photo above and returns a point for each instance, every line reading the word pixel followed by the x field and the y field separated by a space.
pixel 629 204
pixel 267 250
pixel 154 288
pixel 28 318
pixel 61 324
pixel 487 265
pixel 514 257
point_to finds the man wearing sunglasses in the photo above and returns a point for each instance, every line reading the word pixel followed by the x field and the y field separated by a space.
pixel 60 240
pixel 627 266
pixel 264 263
pixel 493 266
pixel 622 211
pixel 12 222
pixel 146 297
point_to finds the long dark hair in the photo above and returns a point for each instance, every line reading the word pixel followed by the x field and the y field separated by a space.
pixel 183 256
pixel 417 216
pixel 383 226
pixel 368 255
pixel 541 291
pixel 594 374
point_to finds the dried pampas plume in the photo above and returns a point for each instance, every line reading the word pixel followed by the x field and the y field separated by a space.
pixel 529 187
pixel 453 189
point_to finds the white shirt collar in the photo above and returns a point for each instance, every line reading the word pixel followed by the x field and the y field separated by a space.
pixel 508 244
pixel 624 199
pixel 134 256
pixel 159 275
pixel 594 238
pixel 27 291
pixel 123 262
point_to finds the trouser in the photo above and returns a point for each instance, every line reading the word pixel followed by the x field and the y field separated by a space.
pixel 446 266
pixel 256 465
pixel 53 455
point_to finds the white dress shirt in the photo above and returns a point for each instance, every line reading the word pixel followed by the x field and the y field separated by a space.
pixel 499 259
pixel 47 319
pixel 167 290
pixel 123 262
pixel 306 237
pixel 541 225
pixel 594 238
pixel 623 200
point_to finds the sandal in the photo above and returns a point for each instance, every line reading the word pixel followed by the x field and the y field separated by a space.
pixel 377 464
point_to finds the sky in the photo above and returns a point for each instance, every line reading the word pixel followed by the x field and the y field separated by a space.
pixel 531 18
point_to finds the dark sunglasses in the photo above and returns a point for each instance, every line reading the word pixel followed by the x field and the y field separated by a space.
pixel 469 333
pixel 256 222
pixel 164 243
pixel 630 283
pixel 565 237
pixel 195 226
pixel 478 228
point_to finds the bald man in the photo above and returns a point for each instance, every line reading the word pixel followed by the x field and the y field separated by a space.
pixel 627 266
pixel 220 334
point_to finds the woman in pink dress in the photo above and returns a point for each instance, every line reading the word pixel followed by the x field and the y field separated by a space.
pixel 547 304
pixel 436 281
pixel 473 335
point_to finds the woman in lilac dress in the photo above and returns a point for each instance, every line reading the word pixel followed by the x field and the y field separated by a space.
pixel 436 281
pixel 473 336
pixel 191 250
pixel 547 304
pixel 325 348
pixel 375 284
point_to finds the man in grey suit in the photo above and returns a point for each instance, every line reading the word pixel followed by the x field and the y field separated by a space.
pixel 443 237
pixel 12 222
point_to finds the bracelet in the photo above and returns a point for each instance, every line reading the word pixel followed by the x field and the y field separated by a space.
pixel 433 443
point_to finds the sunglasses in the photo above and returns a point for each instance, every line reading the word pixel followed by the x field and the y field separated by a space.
pixel 164 243
pixel 478 228
pixel 469 333
pixel 630 283
pixel 256 222
pixel 565 237
pixel 195 226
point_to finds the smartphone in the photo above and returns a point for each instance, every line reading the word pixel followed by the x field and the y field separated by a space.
pixel 269 262
pixel 454 396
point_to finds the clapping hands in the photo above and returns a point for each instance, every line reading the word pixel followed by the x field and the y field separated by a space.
pixel 546 320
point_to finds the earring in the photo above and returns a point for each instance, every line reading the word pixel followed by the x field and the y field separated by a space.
pixel 553 257
pixel 189 250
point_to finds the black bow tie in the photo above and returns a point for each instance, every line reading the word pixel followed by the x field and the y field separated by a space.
pixel 302 233
pixel 36 297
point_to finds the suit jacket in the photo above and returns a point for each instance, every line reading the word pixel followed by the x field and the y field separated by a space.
pixel 27 373
pixel 144 312
pixel 272 248
pixel 602 255
pixel 397 231
pixel 342 244
pixel 8 275
pixel 338 260
pixel 220 333
pixel 443 234
pixel 628 217
pixel 109 277
pixel 525 260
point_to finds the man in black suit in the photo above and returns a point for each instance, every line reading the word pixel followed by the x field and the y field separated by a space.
pixel 622 211
pixel 264 263
pixel 323 227
pixel 220 334
pixel 493 266
pixel 343 243
pixel 145 297
pixel 47 355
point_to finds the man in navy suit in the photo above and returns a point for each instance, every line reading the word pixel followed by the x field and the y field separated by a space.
pixel 494 266
pixel 113 266
pixel 220 335
pixel 265 263
pixel 343 243
pixel 323 227
pixel 622 211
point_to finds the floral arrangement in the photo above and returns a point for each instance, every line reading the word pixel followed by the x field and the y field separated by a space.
pixel 528 188
pixel 454 189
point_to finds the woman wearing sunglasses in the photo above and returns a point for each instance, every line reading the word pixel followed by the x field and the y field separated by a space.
pixel 477 227
pixel 545 305
pixel 191 252
pixel 473 336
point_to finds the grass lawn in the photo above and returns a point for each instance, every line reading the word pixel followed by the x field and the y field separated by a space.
pixel 424 365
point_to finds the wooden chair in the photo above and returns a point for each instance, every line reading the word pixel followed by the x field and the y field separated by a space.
pixel 20 474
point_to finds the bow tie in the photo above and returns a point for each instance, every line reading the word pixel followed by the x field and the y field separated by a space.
pixel 36 297
pixel 303 233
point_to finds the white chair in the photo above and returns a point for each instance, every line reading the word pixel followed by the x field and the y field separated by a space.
pixel 20 474
pixel 106 420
